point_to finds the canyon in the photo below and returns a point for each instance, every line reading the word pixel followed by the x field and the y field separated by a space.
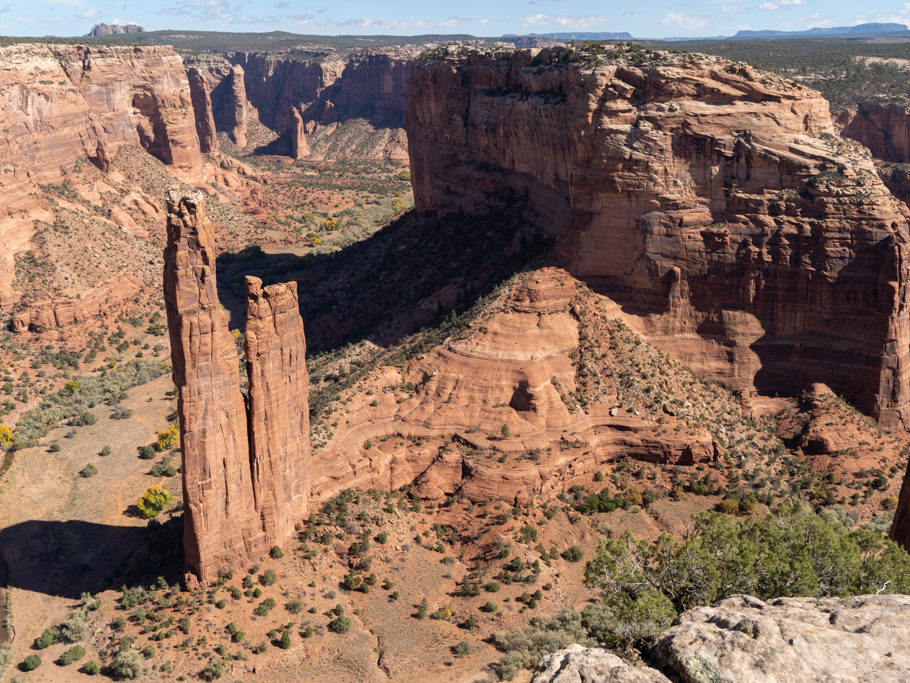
pixel 636 286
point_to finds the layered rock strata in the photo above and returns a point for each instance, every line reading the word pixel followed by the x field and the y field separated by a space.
pixel 244 475
pixel 99 302
pixel 202 110
pixel 63 103
pixel 711 201
pixel 900 527
pixel 883 128
pixel 279 417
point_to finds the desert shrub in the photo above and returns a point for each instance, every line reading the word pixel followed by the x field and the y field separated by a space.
pixel 573 554
pixel 268 577
pixel 166 438
pixel 264 607
pixel 127 664
pixel 4 656
pixel 285 642
pixel 729 506
pixel 340 624
pixel 88 471
pixel 276 553
pixel 523 648
pixel 147 452
pixel 90 668
pixel 164 468
pixel 83 419
pixel 213 670
pixel 154 501
pixel 294 606
pixel 74 654
pixel 461 649
pixel 148 651
pixel 104 452
pixel 30 663
pixel 50 636
pixel 54 448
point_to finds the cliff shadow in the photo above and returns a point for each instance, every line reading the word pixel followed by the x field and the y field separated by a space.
pixel 408 275
pixel 68 558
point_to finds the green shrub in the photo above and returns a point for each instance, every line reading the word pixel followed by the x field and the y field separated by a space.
pixel 573 554
pixel 30 663
pixel 213 670
pixel 268 577
pixel 276 553
pixel 340 624
pixel 90 668
pixel 285 642
pixel 48 637
pixel 74 654
pixel 88 471
pixel 461 649
pixel 127 665
pixel 264 607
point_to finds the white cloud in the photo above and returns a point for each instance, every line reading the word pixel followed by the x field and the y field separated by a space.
pixel 92 13
pixel 732 9
pixel 777 4
pixel 565 22
pixel 684 20
pixel 384 24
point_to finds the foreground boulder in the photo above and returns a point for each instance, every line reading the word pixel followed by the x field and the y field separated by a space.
pixel 577 664
pixel 742 639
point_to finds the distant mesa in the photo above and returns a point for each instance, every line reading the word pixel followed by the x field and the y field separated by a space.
pixel 858 31
pixel 101 30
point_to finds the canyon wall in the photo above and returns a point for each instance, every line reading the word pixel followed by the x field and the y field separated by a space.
pixel 63 103
pixel 711 201
pixel 244 474
pixel 883 128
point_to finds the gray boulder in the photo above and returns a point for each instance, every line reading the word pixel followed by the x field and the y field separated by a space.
pixel 577 664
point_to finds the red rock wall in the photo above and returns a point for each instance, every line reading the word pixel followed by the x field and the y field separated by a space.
pixel 900 528
pixel 202 111
pixel 883 128
pixel 710 200
pixel 97 303
pixel 221 524
pixel 246 470
pixel 62 103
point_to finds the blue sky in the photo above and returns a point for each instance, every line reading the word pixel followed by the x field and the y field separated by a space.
pixel 644 19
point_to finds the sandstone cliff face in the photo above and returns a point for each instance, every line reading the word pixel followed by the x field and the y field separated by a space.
pixel 245 475
pixel 711 201
pixel 62 103
pixel 279 405
pixel 883 128
pixel 221 526
pixel 202 110
pixel 326 89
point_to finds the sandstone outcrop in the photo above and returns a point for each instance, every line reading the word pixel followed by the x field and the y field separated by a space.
pixel 221 525
pixel 297 136
pixel 202 110
pixel 244 475
pixel 233 111
pixel 578 664
pixel 97 303
pixel 278 405
pixel 883 128
pixel 743 639
pixel 711 201
pixel 519 405
pixel 63 103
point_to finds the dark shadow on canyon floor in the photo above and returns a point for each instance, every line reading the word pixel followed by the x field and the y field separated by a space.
pixel 68 558
pixel 407 276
